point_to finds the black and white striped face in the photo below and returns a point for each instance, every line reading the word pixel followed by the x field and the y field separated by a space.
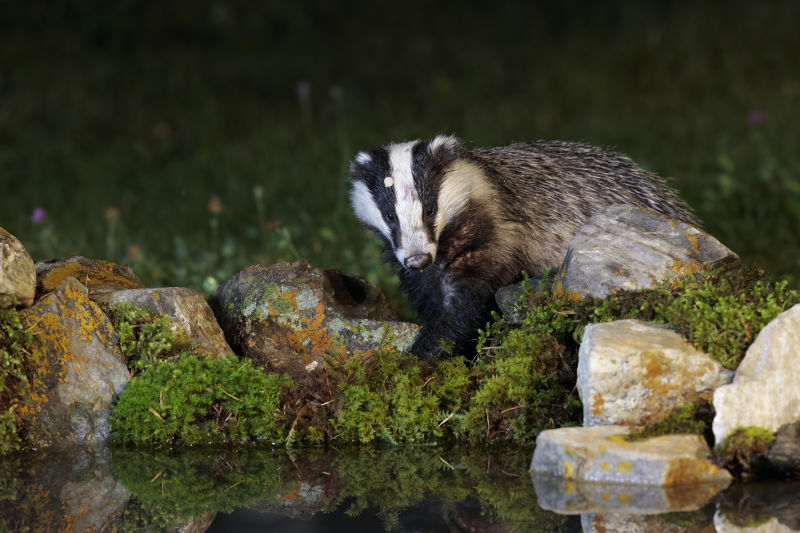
pixel 396 191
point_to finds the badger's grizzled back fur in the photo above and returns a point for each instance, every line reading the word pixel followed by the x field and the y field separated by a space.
pixel 461 223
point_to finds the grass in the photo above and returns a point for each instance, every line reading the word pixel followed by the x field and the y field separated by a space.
pixel 192 139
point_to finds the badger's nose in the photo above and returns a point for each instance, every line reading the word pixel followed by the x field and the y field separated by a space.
pixel 418 261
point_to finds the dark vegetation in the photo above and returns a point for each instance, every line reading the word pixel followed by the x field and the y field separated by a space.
pixel 191 139
pixel 522 381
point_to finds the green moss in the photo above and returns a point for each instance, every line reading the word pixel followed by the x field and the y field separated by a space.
pixel 718 312
pixel 743 451
pixel 196 401
pixel 14 383
pixel 693 418
pixel 145 338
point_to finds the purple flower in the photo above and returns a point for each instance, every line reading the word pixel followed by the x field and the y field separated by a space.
pixel 38 215
pixel 755 117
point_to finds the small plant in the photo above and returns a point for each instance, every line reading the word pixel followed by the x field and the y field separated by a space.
pixel 197 401
pixel 145 338
pixel 14 383
pixel 693 418
pixel 743 451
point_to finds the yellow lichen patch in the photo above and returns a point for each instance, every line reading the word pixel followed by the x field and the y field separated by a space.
pixel 656 364
pixel 625 499
pixel 569 451
pixel 687 470
pixel 606 497
pixel 569 488
pixel 574 296
pixel 694 241
pixel 604 465
pixel 619 439
pixel 624 467
pixel 568 470
pixel 597 404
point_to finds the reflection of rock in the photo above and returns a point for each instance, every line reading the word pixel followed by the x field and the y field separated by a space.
pixel 771 506
pixel 766 389
pixel 70 490
pixel 633 373
pixel 628 247
pixel 575 497
pixel 601 454
pixel 287 316
pixel 631 523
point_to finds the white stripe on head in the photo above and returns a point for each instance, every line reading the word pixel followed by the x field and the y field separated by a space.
pixel 363 158
pixel 448 141
pixel 367 210
pixel 408 206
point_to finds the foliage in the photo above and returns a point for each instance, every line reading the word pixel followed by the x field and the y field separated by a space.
pixel 200 400
pixel 14 384
pixel 145 338
pixel 743 451
pixel 694 418
pixel 720 313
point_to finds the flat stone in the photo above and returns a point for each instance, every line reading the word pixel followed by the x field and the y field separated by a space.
pixel 766 389
pixel 632 372
pixel 78 373
pixel 601 454
pixel 187 309
pixel 17 273
pixel 566 496
pixel 629 247
pixel 95 274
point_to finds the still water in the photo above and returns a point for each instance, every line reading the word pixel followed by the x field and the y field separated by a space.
pixel 360 489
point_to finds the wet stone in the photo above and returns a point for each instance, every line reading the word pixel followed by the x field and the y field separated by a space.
pixel 96 275
pixel 17 273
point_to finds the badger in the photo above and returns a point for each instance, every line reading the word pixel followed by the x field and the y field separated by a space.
pixel 460 223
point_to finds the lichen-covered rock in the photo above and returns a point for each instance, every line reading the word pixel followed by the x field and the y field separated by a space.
pixel 96 275
pixel 188 312
pixel 287 316
pixel 78 369
pixel 628 247
pixel 784 454
pixel 17 273
pixel 633 373
pixel 601 454
pixel 766 389
pixel 567 496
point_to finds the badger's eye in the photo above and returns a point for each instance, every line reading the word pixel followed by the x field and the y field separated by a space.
pixel 430 211
pixel 390 216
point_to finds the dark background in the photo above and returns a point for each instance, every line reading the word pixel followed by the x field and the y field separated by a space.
pixel 190 139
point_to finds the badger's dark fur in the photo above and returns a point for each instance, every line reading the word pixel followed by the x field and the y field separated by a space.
pixel 461 223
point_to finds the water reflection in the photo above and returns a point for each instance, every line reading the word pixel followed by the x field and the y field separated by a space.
pixel 363 489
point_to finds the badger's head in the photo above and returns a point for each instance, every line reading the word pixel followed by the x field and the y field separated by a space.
pixel 400 191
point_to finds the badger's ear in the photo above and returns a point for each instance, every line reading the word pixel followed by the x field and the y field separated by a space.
pixel 445 147
pixel 362 159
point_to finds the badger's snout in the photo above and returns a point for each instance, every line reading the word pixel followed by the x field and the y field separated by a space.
pixel 418 261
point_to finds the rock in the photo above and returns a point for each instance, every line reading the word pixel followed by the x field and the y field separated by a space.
pixel 78 373
pixel 68 490
pixel 188 311
pixel 628 247
pixel 508 297
pixel 784 455
pixel 766 389
pixel 633 373
pixel 565 496
pixel 96 275
pixel 601 454
pixel 17 273
pixel 287 316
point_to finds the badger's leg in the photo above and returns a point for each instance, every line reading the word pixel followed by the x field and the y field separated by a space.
pixel 458 310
